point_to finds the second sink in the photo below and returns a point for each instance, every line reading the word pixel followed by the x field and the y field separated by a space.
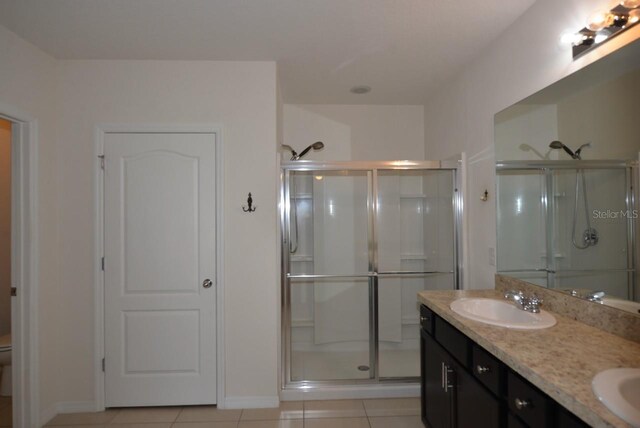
pixel 501 313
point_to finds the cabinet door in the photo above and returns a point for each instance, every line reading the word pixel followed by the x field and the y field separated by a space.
pixel 437 403
pixel 475 405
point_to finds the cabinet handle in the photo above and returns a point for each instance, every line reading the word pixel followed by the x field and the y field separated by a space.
pixel 521 404
pixel 482 369
pixel 447 371
pixel 423 318
pixel 442 375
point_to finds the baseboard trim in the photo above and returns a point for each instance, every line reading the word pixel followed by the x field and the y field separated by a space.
pixel 76 406
pixel 47 414
pixel 351 392
pixel 259 402
pixel 66 407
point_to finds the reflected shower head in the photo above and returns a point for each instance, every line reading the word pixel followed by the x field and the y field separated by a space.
pixel 318 145
pixel 559 145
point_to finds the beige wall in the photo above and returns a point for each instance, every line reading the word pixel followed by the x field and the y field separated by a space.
pixel 524 59
pixel 5 227
pixel 78 95
pixel 27 83
pixel 241 97
pixel 606 116
pixel 356 132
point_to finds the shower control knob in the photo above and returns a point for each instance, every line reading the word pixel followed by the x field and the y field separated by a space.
pixel 207 283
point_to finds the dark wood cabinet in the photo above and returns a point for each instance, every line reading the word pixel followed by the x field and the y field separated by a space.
pixel 438 393
pixel 464 386
pixel 451 396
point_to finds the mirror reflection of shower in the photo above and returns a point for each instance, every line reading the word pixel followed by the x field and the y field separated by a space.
pixel 590 235
pixel 318 145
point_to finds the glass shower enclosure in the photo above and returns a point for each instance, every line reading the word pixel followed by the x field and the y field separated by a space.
pixel 359 241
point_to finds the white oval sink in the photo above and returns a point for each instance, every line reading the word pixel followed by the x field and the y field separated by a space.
pixel 501 313
pixel 619 390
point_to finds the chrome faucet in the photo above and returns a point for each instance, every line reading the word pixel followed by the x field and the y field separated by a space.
pixel 595 296
pixel 526 303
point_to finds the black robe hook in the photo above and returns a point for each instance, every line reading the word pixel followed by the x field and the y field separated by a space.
pixel 250 203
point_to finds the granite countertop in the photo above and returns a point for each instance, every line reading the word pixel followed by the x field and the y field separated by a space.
pixel 561 360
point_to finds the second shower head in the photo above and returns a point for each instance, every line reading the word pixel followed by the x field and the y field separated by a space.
pixel 574 155
pixel 560 145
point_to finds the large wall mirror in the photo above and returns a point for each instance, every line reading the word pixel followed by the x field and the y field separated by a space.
pixel 567 183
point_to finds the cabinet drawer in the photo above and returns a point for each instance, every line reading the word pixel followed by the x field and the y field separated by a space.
pixel 453 341
pixel 488 370
pixel 528 402
pixel 513 422
pixel 476 407
pixel 427 318
pixel 566 419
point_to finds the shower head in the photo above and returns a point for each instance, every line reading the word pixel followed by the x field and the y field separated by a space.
pixel 318 145
pixel 289 148
pixel 558 145
pixel 580 150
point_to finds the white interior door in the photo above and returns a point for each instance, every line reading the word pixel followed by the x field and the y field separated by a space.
pixel 159 239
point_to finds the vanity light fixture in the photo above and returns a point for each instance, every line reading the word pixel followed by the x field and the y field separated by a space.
pixel 604 24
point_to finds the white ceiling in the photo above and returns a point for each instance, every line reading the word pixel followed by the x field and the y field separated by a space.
pixel 403 49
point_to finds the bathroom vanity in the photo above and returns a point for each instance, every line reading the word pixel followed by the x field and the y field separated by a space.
pixel 477 375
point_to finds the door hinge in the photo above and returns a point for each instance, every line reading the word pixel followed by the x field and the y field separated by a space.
pixel 14 291
pixel 101 157
pixel 102 264
pixel 103 364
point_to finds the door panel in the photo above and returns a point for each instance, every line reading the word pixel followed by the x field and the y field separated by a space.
pixel 159 217
pixel 174 211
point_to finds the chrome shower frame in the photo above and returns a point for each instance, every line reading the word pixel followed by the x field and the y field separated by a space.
pixel 372 168
pixel 546 168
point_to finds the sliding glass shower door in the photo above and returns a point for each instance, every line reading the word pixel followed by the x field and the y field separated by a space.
pixel 329 274
pixel 359 242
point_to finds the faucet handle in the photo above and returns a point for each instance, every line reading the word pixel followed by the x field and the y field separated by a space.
pixel 513 294
pixel 536 299
pixel 533 304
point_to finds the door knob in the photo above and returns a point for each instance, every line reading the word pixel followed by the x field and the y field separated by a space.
pixel 207 283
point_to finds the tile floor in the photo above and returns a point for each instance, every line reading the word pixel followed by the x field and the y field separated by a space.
pixel 379 413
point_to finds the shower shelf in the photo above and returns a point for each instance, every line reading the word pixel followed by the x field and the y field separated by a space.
pixel 413 196
pixel 294 258
pixel 302 196
pixel 413 257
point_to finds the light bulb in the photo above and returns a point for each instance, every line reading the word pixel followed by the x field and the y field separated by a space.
pixel 630 4
pixel 599 20
pixel 570 38
pixel 601 36
pixel 634 16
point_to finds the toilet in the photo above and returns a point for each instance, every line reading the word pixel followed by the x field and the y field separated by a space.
pixel 5 365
